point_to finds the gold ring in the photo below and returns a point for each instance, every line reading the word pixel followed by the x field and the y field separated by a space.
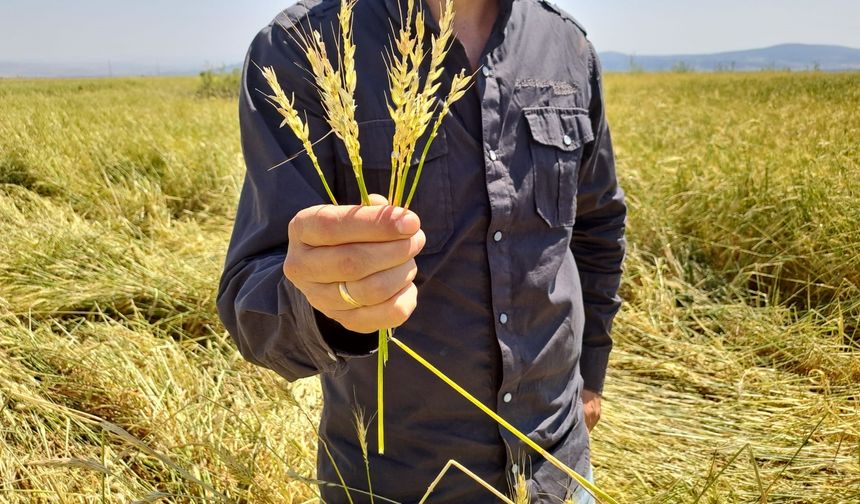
pixel 344 294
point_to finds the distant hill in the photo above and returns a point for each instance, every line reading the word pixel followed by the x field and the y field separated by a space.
pixel 786 56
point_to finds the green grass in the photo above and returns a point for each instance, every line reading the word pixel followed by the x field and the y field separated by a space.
pixel 737 359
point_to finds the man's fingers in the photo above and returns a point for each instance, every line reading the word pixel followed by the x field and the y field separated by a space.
pixel 381 286
pixel 354 261
pixel 374 289
pixel 328 225
pixel 392 313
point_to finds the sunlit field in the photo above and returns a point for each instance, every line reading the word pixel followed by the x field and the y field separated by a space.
pixel 737 361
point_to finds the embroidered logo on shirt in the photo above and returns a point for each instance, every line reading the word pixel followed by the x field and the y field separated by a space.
pixel 559 88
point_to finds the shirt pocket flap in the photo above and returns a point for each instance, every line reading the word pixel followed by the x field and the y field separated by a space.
pixel 566 129
pixel 376 140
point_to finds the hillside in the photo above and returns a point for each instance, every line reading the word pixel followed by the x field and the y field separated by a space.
pixel 780 57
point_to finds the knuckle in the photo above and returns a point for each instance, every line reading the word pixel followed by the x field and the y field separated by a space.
pixel 377 288
pixel 412 270
pixel 295 227
pixel 313 222
pixel 326 220
pixel 402 310
pixel 313 226
pixel 292 269
pixel 403 314
pixel 349 265
pixel 404 249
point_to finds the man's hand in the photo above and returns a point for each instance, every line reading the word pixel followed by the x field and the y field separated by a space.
pixel 591 403
pixel 371 249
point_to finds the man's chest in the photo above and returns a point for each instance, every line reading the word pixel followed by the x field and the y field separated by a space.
pixel 515 142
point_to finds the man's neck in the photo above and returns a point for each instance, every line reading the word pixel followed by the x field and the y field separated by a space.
pixel 473 23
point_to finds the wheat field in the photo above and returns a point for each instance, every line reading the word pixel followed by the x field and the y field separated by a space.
pixel 737 361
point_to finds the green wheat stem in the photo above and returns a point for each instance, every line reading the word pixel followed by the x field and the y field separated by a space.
pixel 401 181
pixel 362 188
pixel 391 181
pixel 421 162
pixel 589 486
pixel 381 360
pixel 317 167
pixel 402 177
pixel 369 484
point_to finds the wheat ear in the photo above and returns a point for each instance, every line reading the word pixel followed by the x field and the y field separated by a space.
pixel 286 107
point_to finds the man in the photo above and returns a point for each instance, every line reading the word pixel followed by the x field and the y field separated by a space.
pixel 505 276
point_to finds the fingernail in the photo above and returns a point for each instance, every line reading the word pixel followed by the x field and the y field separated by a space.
pixel 408 224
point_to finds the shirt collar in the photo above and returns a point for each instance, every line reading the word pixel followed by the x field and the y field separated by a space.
pixel 396 9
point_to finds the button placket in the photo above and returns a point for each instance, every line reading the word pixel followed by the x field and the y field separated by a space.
pixel 497 182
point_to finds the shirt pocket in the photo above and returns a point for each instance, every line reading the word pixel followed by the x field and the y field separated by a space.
pixel 432 200
pixel 558 136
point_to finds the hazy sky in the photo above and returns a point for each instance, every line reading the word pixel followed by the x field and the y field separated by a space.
pixel 214 32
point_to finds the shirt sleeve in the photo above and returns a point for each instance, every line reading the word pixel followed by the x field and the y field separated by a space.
pixel 598 243
pixel 271 321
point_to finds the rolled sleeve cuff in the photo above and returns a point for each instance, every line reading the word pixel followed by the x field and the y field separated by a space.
pixel 592 366
pixel 326 339
pixel 342 341
pixel 314 345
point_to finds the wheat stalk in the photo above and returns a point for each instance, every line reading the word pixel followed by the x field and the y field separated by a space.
pixel 411 107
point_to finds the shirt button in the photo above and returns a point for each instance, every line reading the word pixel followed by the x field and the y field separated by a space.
pixel 503 318
pixel 486 71
pixel 507 398
pixel 498 236
pixel 493 155
pixel 567 140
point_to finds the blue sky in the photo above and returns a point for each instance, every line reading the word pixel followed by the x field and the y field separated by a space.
pixel 214 32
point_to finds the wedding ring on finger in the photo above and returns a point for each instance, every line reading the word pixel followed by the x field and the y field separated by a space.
pixel 344 294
